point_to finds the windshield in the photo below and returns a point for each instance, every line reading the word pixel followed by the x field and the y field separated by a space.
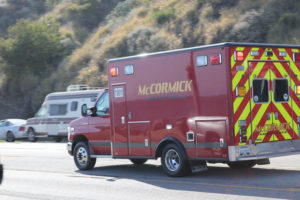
pixel 42 111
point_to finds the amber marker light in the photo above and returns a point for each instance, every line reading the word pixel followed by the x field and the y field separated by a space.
pixel 241 91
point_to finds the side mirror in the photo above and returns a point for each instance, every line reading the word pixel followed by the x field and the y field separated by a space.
pixel 84 110
pixel 93 111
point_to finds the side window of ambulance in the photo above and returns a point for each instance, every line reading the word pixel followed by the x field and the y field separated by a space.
pixel 281 90
pixel 260 91
pixel 74 105
pixel 103 105
pixel 58 109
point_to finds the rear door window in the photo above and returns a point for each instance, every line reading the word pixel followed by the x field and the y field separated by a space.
pixel 260 91
pixel 281 90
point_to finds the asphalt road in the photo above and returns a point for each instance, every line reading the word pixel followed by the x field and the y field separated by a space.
pixel 42 171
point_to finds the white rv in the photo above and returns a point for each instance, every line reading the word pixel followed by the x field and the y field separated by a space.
pixel 57 111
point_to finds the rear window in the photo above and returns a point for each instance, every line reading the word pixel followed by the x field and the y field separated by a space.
pixel 58 109
pixel 260 91
pixel 281 90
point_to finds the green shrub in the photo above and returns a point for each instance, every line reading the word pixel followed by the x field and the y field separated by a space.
pixel 163 16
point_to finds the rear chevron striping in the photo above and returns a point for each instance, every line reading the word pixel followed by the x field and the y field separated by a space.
pixel 288 112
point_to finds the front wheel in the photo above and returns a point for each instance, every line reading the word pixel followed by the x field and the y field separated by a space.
pixel 242 164
pixel 82 157
pixel 10 137
pixel 138 161
pixel 173 161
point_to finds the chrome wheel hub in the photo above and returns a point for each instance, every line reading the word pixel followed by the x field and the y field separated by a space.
pixel 172 160
pixel 82 156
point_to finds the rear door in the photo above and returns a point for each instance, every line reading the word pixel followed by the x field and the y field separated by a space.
pixel 271 112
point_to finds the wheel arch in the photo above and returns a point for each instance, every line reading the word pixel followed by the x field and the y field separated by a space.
pixel 79 138
pixel 169 140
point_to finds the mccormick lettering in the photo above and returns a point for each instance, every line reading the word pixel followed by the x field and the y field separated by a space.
pixel 273 127
pixel 165 88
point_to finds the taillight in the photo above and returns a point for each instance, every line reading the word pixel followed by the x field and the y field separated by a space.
pixel 21 128
pixel 239 55
pixel 243 131
pixel 114 71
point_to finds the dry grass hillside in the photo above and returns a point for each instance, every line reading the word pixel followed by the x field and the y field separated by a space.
pixel 116 28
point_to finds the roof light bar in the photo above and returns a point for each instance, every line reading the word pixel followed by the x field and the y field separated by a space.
pixel 254 53
pixel 282 53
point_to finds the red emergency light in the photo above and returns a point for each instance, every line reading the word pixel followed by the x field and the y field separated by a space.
pixel 216 59
pixel 296 57
pixel 238 55
pixel 114 71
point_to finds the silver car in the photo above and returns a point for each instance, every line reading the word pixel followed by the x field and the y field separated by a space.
pixel 11 129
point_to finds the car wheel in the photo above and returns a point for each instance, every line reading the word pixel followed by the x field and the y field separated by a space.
pixel 10 136
pixel 138 161
pixel 242 164
pixel 173 161
pixel 31 135
pixel 82 157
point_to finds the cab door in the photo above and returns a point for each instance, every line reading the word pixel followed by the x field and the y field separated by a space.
pixel 271 113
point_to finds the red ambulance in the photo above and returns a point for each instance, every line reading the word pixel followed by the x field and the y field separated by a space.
pixel 234 103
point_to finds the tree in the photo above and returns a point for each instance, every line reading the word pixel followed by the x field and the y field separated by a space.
pixel 31 47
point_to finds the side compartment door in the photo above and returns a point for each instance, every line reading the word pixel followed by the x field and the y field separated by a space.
pixel 139 138
pixel 120 121
pixel 211 138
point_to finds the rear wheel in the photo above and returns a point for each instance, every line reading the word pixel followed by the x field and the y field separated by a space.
pixel 242 164
pixel 138 161
pixel 31 135
pixel 10 136
pixel 82 157
pixel 173 161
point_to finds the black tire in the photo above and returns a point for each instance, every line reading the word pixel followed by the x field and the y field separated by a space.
pixel 174 162
pixel 10 137
pixel 138 161
pixel 1 173
pixel 32 135
pixel 82 157
pixel 242 164
pixel 58 139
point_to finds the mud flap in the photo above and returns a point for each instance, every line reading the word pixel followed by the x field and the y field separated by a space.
pixel 198 166
pixel 265 161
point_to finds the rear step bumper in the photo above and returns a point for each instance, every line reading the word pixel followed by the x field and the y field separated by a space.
pixel 264 150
